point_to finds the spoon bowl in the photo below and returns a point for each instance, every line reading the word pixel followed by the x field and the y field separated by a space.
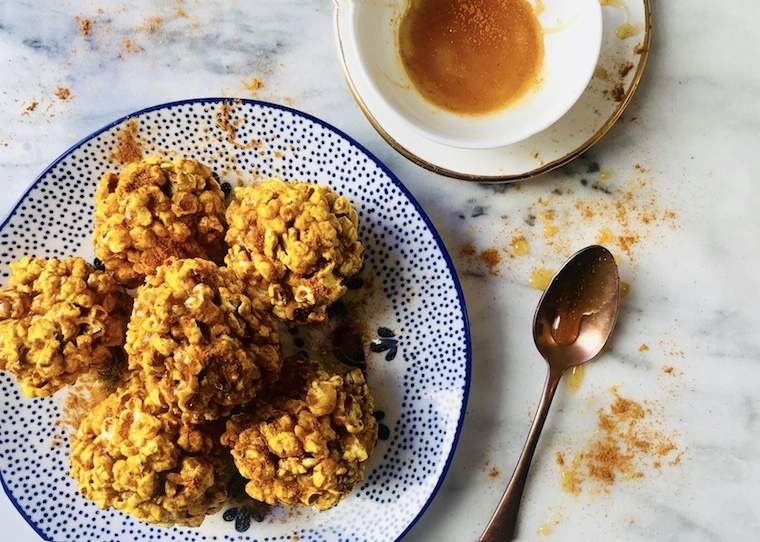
pixel 578 310
pixel 574 319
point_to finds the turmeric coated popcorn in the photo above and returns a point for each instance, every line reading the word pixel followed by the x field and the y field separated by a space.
pixel 294 243
pixel 309 450
pixel 156 209
pixel 59 319
pixel 198 342
pixel 147 463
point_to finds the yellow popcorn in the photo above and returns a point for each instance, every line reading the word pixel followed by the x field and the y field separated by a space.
pixel 305 444
pixel 156 209
pixel 198 341
pixel 59 319
pixel 143 461
pixel 294 243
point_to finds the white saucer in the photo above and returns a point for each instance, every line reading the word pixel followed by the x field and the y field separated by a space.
pixel 619 70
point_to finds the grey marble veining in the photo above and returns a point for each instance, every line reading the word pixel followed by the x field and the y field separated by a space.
pixel 695 291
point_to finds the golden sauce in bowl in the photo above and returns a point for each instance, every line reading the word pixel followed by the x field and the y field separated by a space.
pixel 471 56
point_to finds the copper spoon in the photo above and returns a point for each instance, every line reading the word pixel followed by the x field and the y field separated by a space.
pixel 573 321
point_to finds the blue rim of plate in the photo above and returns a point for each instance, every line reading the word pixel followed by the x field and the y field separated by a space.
pixel 394 179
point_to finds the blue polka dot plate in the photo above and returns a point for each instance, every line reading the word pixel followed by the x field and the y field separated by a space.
pixel 416 340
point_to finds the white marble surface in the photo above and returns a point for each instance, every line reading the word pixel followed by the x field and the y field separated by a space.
pixel 695 293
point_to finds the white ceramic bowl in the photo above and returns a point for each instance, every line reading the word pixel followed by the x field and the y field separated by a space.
pixel 572 40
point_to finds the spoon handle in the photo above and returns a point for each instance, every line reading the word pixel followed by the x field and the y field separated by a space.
pixel 501 527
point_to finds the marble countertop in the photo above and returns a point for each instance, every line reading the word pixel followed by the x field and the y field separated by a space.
pixel 676 179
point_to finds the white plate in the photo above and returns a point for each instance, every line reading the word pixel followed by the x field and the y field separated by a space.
pixel 420 375
pixel 590 118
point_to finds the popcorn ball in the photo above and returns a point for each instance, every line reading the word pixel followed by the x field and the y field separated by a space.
pixel 59 319
pixel 294 243
pixel 308 450
pixel 147 463
pixel 156 209
pixel 198 341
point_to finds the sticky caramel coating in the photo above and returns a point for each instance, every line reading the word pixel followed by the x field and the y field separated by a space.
pixel 294 243
pixel 198 342
pixel 59 319
pixel 146 462
pixel 156 209
pixel 310 450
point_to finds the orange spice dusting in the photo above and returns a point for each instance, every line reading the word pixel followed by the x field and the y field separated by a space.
pixel 151 25
pixel 31 107
pixel 467 250
pixel 643 347
pixel 494 472
pixel 253 86
pixel 85 26
pixel 491 258
pixel 128 46
pixel 559 458
pixel 625 68
pixel 668 369
pixel 629 441
pixel 676 460
pixel 128 145
pixel 224 121
pixel 62 93
pixel 618 92
pixel 88 391
pixel 626 212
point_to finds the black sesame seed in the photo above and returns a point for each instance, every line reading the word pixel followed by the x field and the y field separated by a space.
pixel 584 182
pixel 477 211
pixel 593 167
pixel 383 433
pixel 379 415
pixel 98 264
pixel 385 332
pixel 226 188
pixel 299 342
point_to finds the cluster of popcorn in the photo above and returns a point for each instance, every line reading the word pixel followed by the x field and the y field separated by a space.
pixel 201 342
